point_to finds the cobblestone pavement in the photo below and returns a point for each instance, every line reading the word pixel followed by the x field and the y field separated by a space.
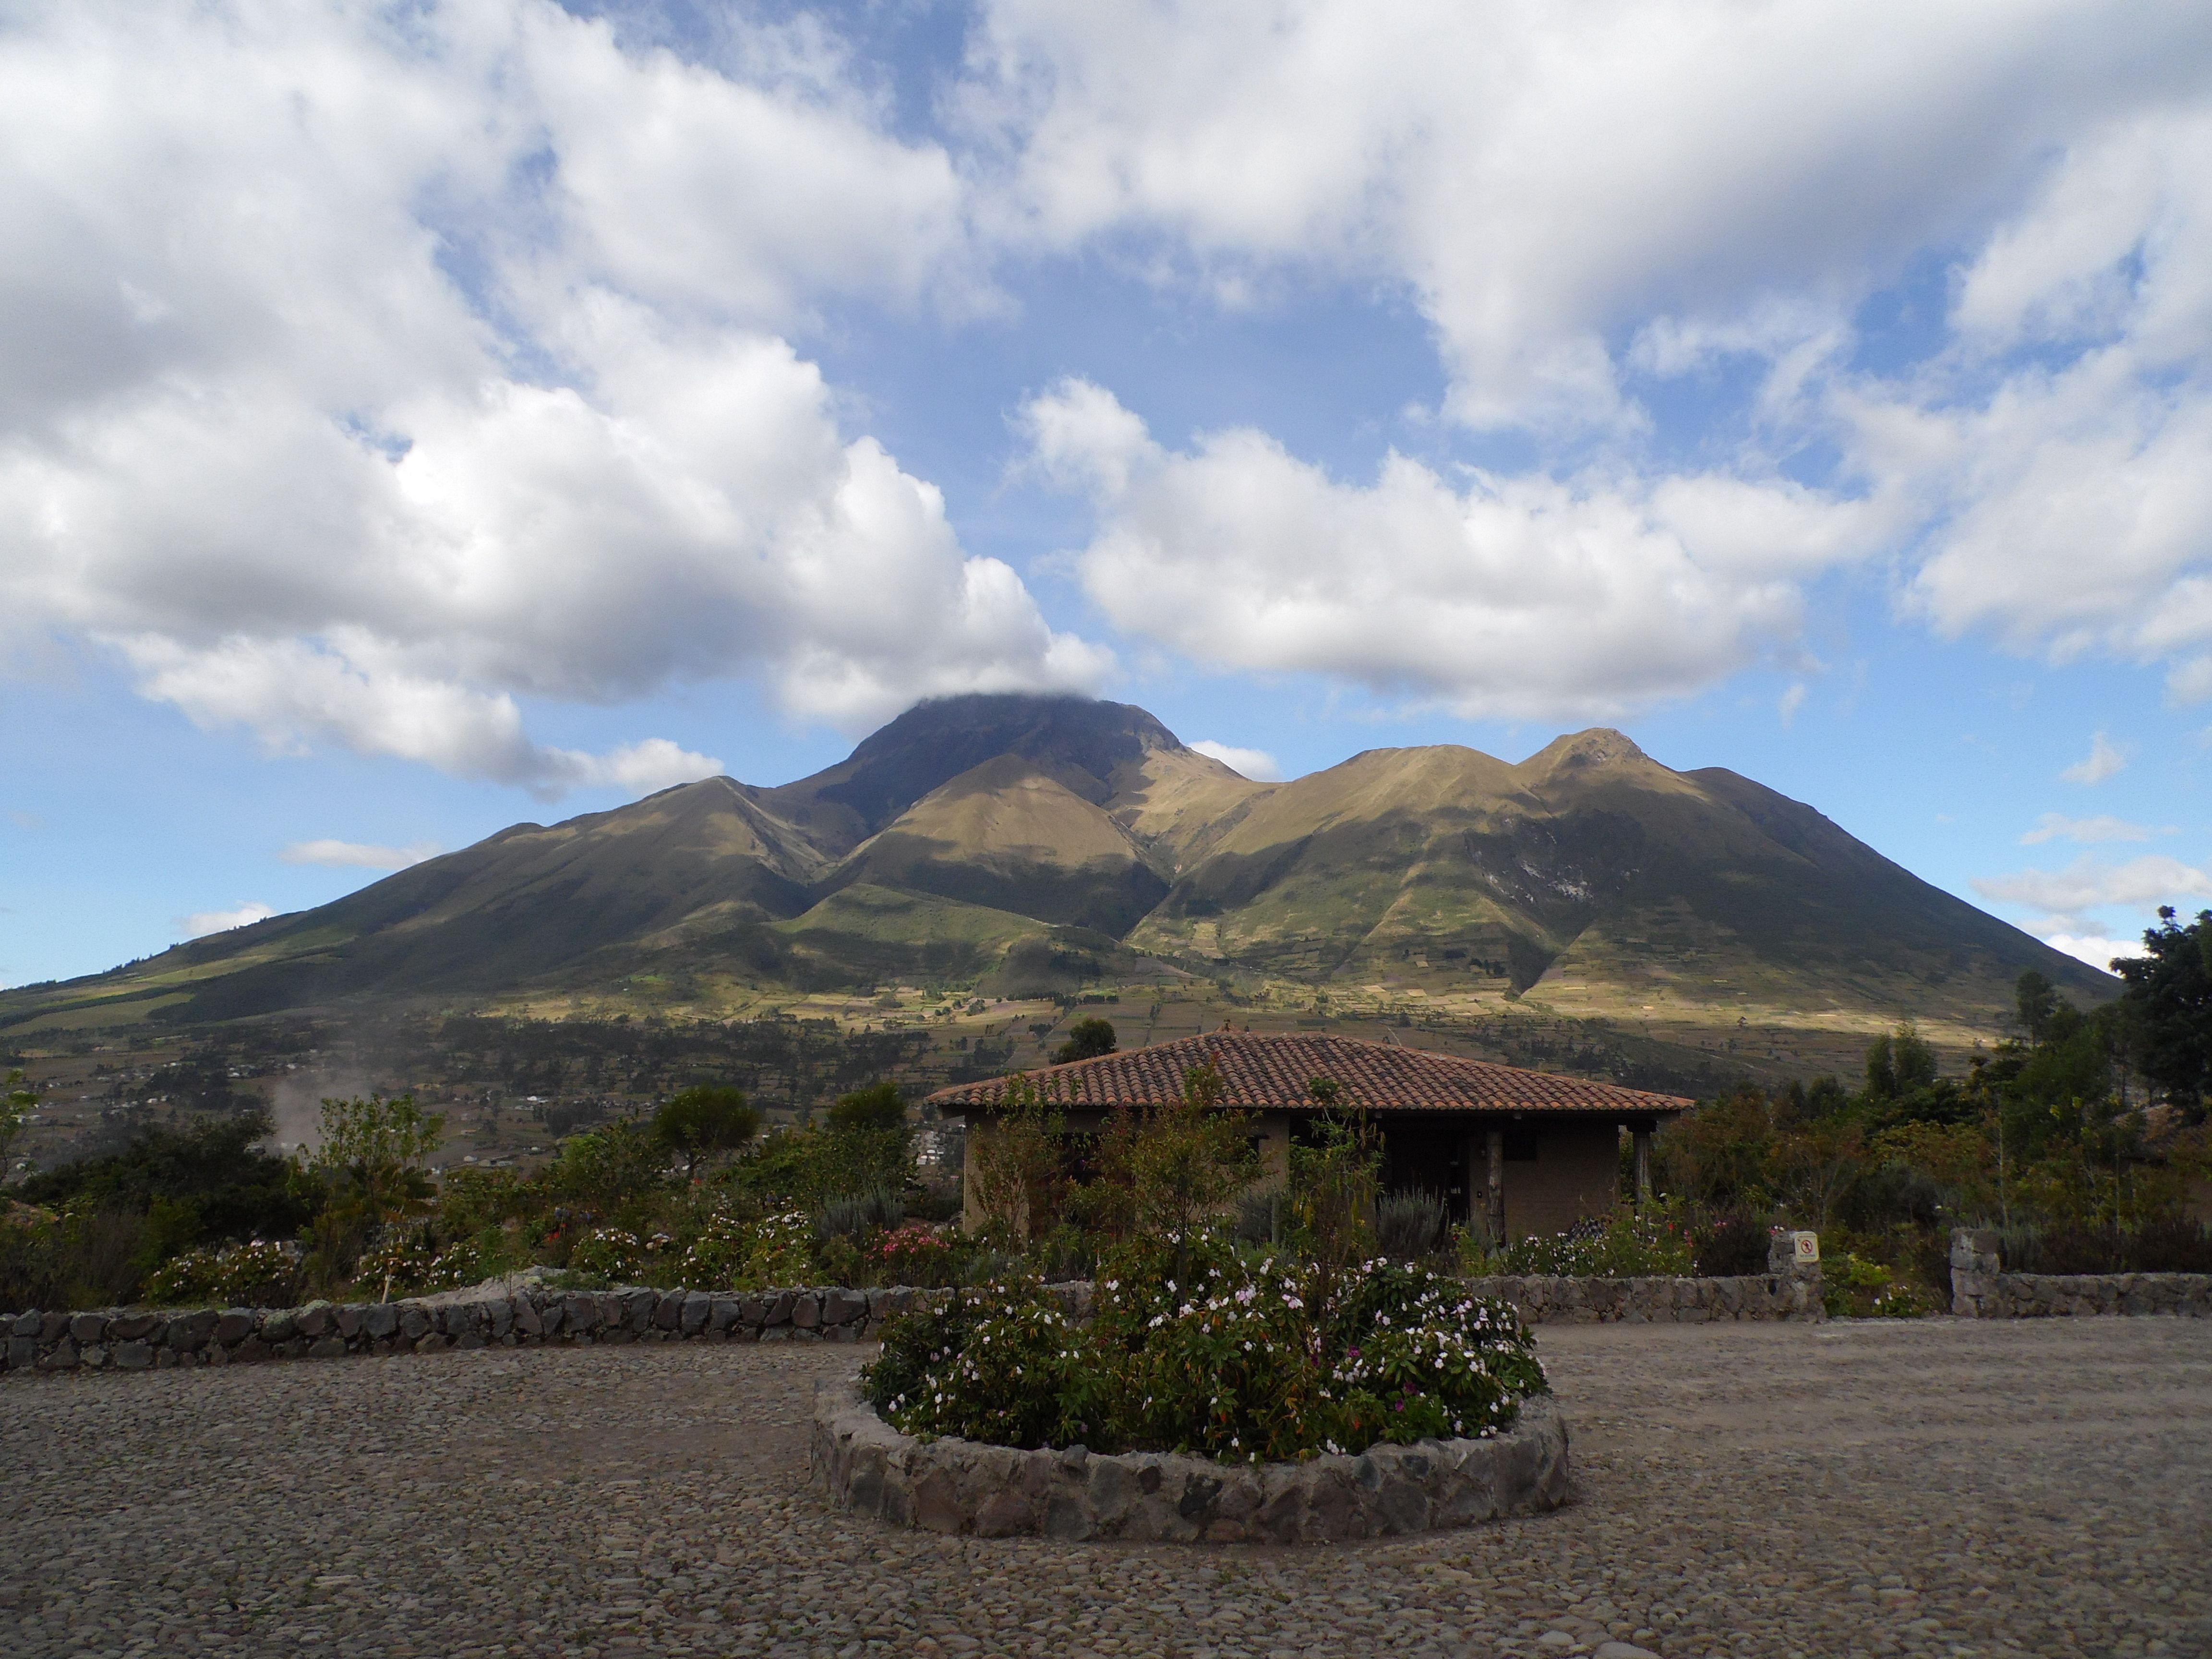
pixel 1941 1487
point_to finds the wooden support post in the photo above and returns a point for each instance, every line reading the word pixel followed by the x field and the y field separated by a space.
pixel 1641 1136
pixel 1497 1149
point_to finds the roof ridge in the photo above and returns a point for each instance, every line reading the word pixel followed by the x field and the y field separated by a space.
pixel 1257 1074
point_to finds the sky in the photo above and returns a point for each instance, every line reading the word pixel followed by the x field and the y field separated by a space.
pixel 423 418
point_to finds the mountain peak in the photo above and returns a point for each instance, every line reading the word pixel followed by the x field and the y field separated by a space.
pixel 1601 745
pixel 1080 742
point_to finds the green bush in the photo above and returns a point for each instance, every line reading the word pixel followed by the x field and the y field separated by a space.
pixel 1855 1287
pixel 1195 1348
pixel 408 1260
pixel 1410 1227
pixel 1625 1245
pixel 258 1274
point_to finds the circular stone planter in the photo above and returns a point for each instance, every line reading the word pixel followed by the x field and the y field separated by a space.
pixel 961 1487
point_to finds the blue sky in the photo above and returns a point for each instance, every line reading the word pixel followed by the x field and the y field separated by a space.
pixel 419 419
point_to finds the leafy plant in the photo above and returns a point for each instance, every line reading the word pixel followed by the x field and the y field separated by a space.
pixel 1194 1347
pixel 1624 1245
pixel 705 1122
pixel 1410 1227
pixel 257 1274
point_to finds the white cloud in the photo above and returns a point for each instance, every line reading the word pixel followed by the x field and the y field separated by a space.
pixel 1579 197
pixel 2106 760
pixel 1792 701
pixel 2066 895
pixel 369 373
pixel 1540 176
pixel 2085 831
pixel 203 922
pixel 1513 597
pixel 2094 949
pixel 343 855
pixel 1255 763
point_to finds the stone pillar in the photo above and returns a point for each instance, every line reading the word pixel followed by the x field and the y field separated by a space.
pixel 1640 1139
pixel 1803 1284
pixel 1975 1266
pixel 1495 1147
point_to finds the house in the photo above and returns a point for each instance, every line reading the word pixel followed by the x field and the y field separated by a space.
pixel 1530 1151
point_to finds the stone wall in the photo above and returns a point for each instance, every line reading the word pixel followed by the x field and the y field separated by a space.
pixel 130 1340
pixel 1981 1289
pixel 1542 1301
pixel 960 1487
pixel 137 1339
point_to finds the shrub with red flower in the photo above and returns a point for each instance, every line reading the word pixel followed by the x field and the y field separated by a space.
pixel 909 1254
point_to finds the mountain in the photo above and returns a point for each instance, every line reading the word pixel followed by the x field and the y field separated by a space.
pixel 1027 844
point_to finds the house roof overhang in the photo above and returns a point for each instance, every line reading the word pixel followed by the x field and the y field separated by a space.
pixel 1274 1072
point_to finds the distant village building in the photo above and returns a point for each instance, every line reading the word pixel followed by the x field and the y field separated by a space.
pixel 1527 1151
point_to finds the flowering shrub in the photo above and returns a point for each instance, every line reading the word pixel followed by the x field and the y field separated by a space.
pixel 911 1255
pixel 782 1252
pixel 1855 1288
pixel 1194 1348
pixel 406 1262
pixel 258 1274
pixel 610 1253
pixel 1625 1245
pixel 996 1365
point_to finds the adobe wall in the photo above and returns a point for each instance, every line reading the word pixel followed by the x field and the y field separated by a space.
pixel 1576 1174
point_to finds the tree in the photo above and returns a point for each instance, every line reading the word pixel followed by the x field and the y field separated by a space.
pixel 2037 999
pixel 1899 1062
pixel 1087 1039
pixel 374 1148
pixel 369 1161
pixel 1172 1168
pixel 872 1109
pixel 703 1122
pixel 2169 1004
pixel 1017 1162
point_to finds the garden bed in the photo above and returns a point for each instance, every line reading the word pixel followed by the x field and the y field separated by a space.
pixel 962 1487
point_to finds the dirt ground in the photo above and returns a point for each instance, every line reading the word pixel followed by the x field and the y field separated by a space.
pixel 1941 1486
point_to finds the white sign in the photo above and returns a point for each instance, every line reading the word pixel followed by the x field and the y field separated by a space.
pixel 1809 1247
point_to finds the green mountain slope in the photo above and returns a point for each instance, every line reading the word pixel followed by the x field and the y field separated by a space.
pixel 1035 843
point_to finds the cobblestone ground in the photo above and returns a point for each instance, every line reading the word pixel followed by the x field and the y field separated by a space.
pixel 1939 1487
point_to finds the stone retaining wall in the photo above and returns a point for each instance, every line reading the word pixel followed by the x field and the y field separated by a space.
pixel 1793 1295
pixel 960 1487
pixel 1981 1289
pixel 136 1339
pixel 129 1340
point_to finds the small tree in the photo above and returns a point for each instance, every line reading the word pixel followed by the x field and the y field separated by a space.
pixel 873 1110
pixel 2037 999
pixel 1087 1039
pixel 1336 1182
pixel 369 1161
pixel 1017 1162
pixel 705 1122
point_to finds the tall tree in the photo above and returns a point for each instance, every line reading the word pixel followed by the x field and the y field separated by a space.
pixel 2169 997
pixel 2037 999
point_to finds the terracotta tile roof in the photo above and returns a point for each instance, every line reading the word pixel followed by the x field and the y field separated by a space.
pixel 1270 1073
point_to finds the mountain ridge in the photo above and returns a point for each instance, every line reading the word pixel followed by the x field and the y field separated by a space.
pixel 1015 842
